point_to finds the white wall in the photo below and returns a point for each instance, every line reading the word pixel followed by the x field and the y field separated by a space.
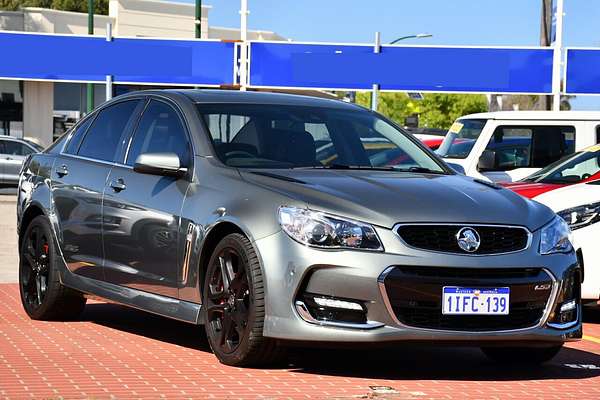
pixel 156 18
pixel 11 20
pixel 66 22
pixel 38 108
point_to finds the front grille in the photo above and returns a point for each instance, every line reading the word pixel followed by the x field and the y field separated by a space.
pixel 415 296
pixel 442 238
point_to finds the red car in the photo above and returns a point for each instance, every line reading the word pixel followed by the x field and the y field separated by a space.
pixel 431 141
pixel 582 166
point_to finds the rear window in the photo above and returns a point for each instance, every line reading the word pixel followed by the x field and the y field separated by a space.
pixel 78 135
pixel 530 146
pixel 104 138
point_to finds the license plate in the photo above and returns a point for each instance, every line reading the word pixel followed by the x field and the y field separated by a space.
pixel 472 301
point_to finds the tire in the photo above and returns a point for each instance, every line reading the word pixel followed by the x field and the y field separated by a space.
pixel 234 309
pixel 521 355
pixel 42 295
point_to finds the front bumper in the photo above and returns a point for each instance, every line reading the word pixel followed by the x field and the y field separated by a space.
pixel 291 269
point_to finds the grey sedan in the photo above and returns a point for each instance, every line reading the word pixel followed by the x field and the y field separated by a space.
pixel 13 152
pixel 273 219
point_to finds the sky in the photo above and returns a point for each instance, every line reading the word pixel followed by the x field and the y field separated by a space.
pixel 451 22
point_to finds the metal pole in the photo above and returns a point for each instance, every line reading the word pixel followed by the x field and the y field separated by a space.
pixel 244 47
pixel 109 79
pixel 198 20
pixel 90 86
pixel 375 97
pixel 557 60
pixel 375 92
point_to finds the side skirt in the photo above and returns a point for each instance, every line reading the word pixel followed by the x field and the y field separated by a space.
pixel 150 302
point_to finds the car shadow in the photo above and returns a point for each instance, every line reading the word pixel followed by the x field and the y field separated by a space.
pixel 145 324
pixel 404 361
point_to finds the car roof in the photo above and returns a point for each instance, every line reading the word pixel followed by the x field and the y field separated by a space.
pixel 15 139
pixel 538 115
pixel 250 97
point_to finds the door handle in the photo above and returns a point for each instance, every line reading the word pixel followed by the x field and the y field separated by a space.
pixel 62 171
pixel 118 185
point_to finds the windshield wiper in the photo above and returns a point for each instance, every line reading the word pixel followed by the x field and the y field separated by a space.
pixel 421 169
pixel 347 167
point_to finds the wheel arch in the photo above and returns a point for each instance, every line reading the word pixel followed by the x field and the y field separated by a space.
pixel 214 235
pixel 31 212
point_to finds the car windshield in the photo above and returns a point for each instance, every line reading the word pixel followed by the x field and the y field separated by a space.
pixel 461 138
pixel 571 169
pixel 282 136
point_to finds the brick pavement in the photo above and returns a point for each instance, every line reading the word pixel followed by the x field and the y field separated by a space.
pixel 115 352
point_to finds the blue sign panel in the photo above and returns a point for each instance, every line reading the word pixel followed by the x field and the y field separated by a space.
pixel 80 58
pixel 438 69
pixel 583 71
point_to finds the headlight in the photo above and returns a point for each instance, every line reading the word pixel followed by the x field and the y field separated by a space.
pixel 320 230
pixel 578 217
pixel 555 237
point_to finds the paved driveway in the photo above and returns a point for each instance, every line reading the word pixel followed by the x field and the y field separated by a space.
pixel 8 239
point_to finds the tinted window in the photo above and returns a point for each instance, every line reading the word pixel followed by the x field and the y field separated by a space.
pixel 77 136
pixel 104 137
pixel 530 146
pixel 16 148
pixel 598 134
pixel 160 131
pixel 282 136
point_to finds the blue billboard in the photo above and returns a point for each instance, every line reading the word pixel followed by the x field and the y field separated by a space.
pixel 128 60
pixel 401 68
pixel 583 71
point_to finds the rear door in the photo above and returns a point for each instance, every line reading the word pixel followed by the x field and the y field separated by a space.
pixel 142 212
pixel 78 178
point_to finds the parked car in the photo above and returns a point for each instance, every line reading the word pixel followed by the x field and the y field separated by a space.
pixel 507 146
pixel 232 210
pixel 581 166
pixel 13 152
pixel 579 206
pixel 431 141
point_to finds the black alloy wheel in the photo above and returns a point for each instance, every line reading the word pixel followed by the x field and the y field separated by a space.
pixel 234 305
pixel 35 267
pixel 229 300
pixel 42 294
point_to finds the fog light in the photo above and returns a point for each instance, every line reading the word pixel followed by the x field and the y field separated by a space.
pixel 568 306
pixel 334 309
pixel 334 303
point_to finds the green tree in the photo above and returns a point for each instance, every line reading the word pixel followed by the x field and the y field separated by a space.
pixel 439 110
pixel 436 110
pixel 101 6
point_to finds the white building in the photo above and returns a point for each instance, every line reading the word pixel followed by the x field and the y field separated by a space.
pixel 42 110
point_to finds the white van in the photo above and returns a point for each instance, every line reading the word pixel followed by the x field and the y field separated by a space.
pixel 506 146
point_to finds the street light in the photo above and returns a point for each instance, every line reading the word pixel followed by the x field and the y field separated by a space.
pixel 417 36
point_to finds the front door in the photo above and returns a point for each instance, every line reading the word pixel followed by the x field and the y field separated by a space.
pixel 142 212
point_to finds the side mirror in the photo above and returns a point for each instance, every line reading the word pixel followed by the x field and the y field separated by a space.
pixel 163 164
pixel 457 168
pixel 487 161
